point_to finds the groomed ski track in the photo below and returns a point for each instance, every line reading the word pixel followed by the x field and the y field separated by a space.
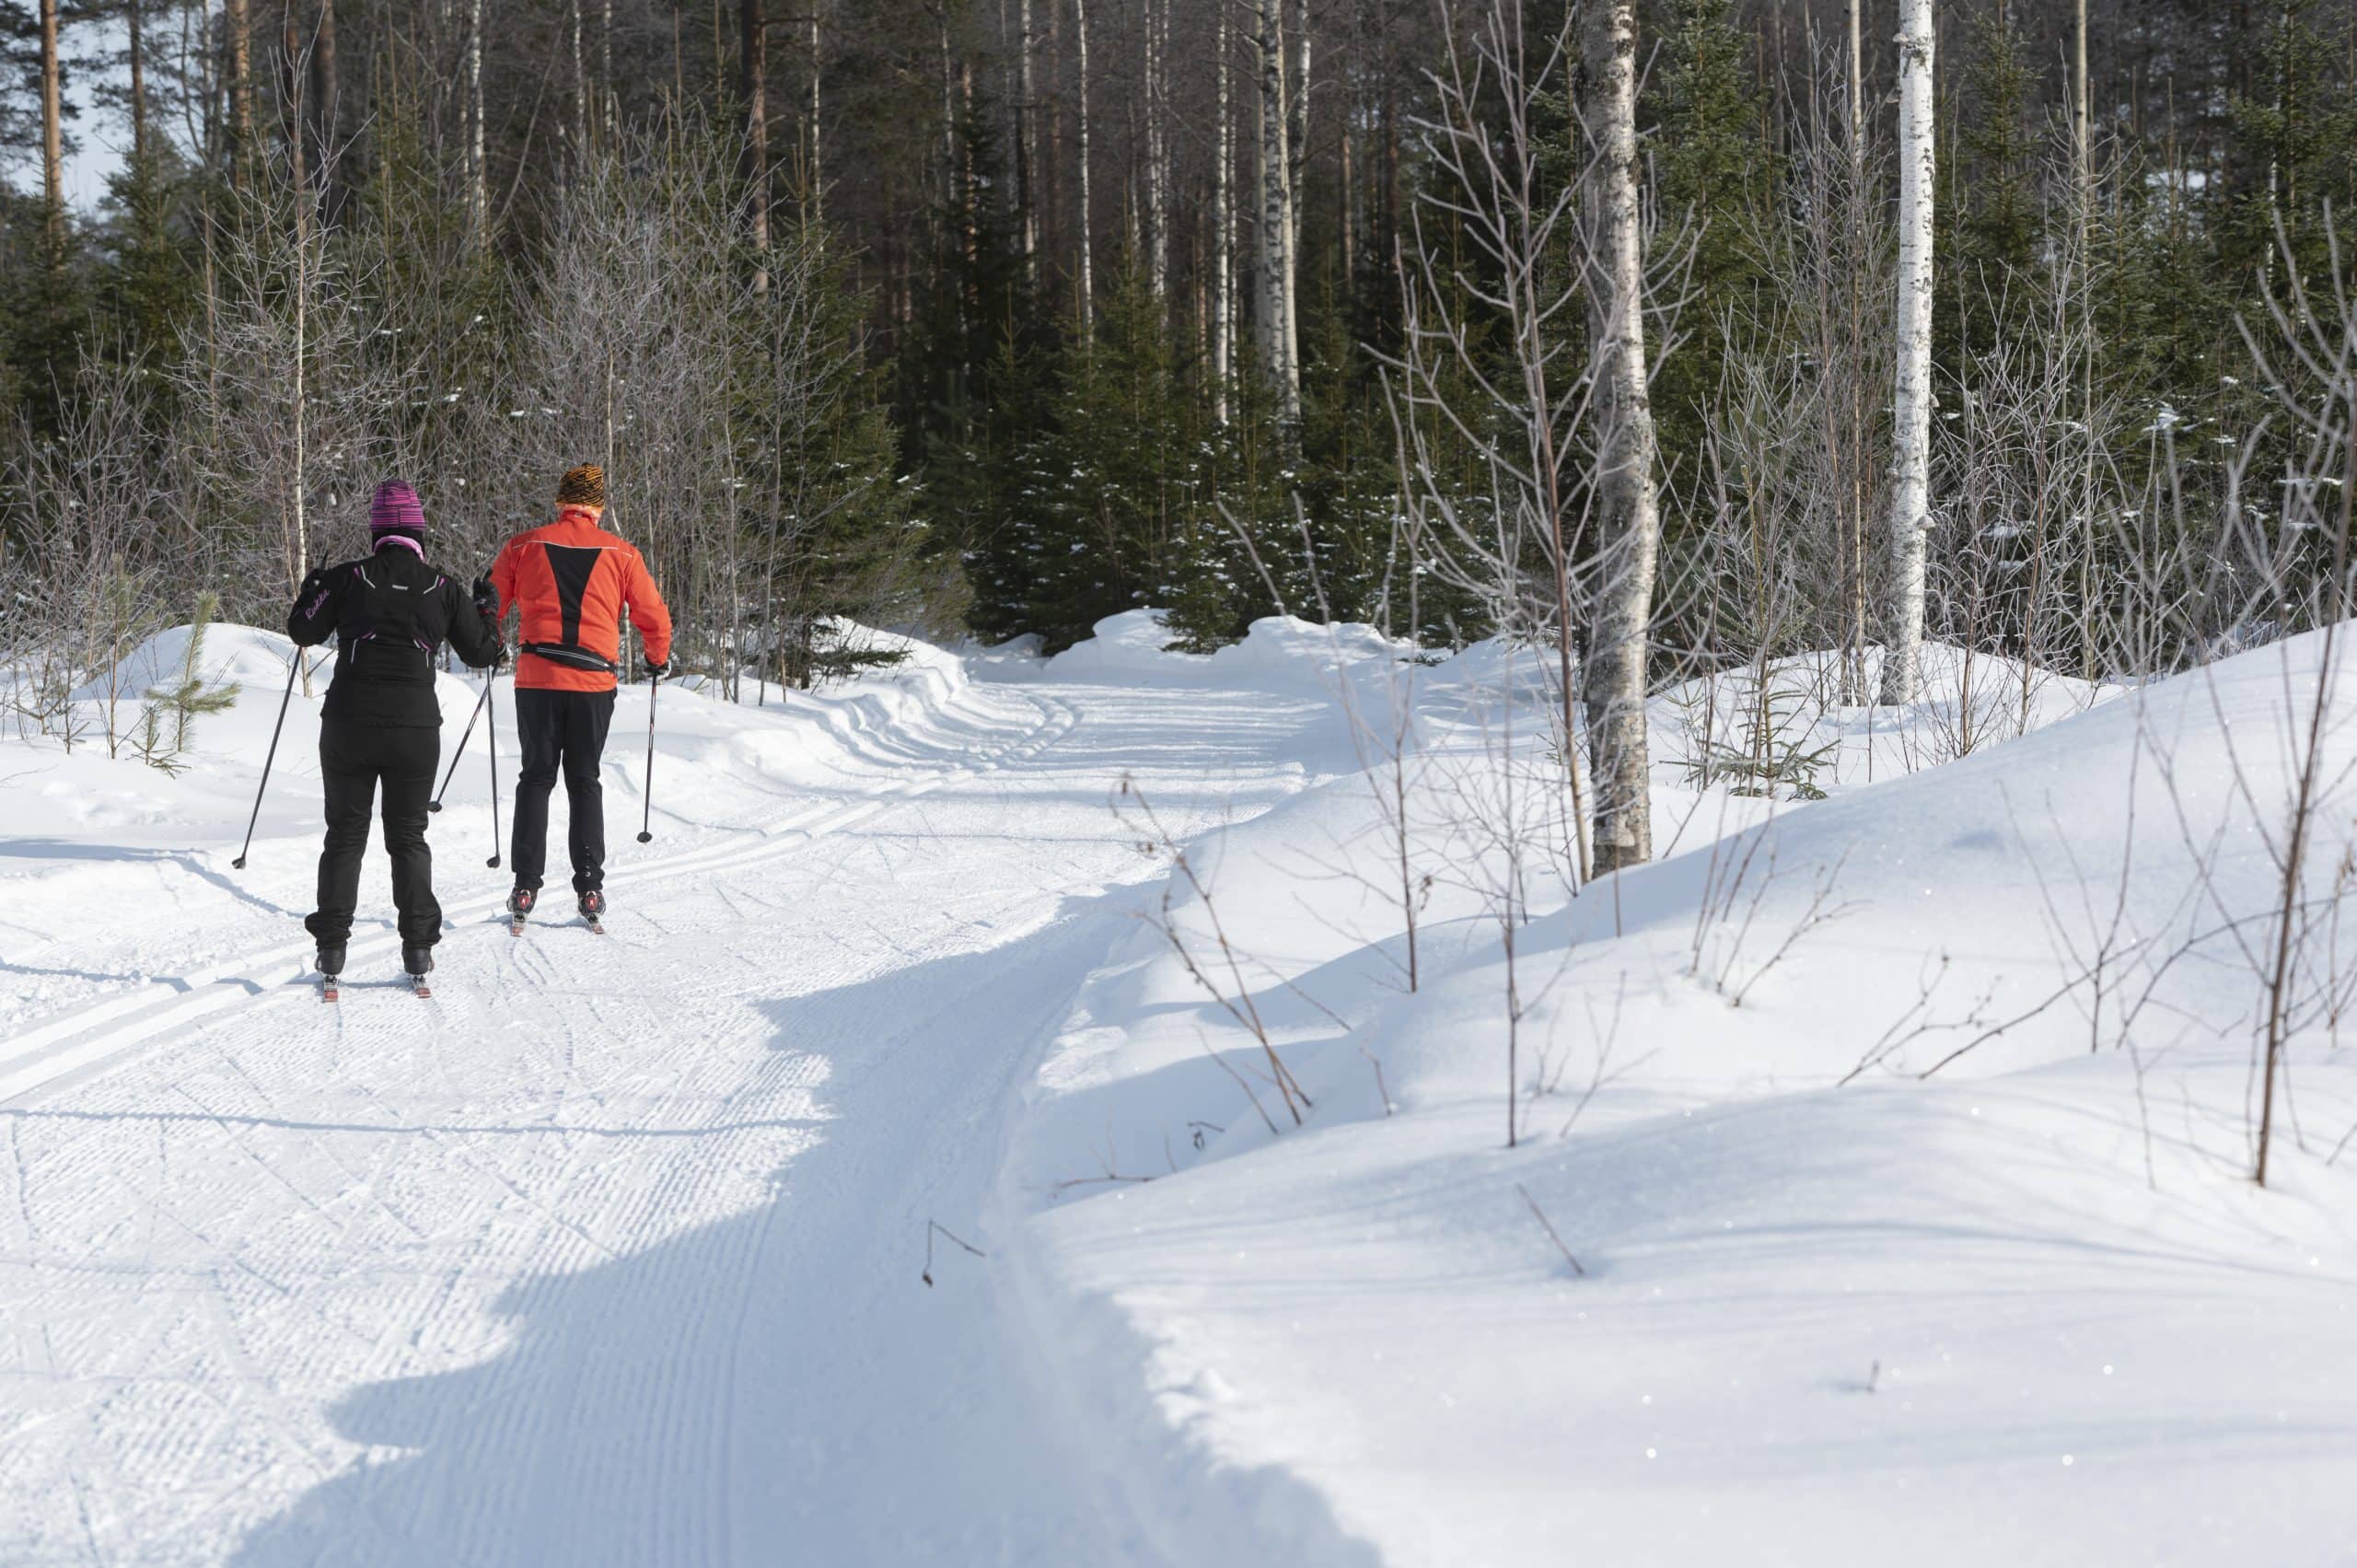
pixel 609 1252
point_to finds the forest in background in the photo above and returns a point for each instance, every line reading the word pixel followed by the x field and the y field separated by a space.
pixel 1008 315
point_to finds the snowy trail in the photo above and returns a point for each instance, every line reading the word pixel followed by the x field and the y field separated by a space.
pixel 610 1254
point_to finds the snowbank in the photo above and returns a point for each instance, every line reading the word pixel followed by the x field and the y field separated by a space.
pixel 1136 646
pixel 2027 1307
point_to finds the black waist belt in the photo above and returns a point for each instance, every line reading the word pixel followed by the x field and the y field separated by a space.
pixel 574 655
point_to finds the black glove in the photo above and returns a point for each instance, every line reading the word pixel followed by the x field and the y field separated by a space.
pixel 658 668
pixel 313 581
pixel 486 599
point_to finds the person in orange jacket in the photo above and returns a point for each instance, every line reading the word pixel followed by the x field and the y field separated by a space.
pixel 573 582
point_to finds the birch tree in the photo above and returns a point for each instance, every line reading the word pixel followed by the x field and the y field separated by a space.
pixel 1088 292
pixel 1223 246
pixel 478 177
pixel 1912 425
pixel 1277 275
pixel 1630 546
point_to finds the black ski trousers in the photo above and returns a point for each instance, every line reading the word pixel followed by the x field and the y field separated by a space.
pixel 355 758
pixel 560 732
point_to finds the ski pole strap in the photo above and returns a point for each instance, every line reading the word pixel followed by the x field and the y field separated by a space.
pixel 574 655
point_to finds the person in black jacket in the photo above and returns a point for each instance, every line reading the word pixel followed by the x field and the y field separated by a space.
pixel 381 724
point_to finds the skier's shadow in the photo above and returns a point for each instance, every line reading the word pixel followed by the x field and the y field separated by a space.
pixel 751 1390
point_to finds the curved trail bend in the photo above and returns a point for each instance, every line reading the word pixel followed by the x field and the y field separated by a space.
pixel 610 1254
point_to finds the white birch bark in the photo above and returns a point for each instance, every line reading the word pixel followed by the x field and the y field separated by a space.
pixel 580 94
pixel 1157 168
pixel 1630 541
pixel 1911 432
pixel 1276 268
pixel 478 178
pixel 1223 230
pixel 1087 288
pixel 1023 153
pixel 611 104
pixel 1296 186
pixel 817 194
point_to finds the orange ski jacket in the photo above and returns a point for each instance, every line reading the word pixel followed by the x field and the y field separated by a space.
pixel 574 582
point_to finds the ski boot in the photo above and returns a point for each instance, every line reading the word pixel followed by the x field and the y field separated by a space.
pixel 417 961
pixel 519 907
pixel 593 910
pixel 330 964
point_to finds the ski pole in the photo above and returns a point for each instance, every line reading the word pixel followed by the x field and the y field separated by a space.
pixel 490 733
pixel 293 669
pixel 435 803
pixel 646 818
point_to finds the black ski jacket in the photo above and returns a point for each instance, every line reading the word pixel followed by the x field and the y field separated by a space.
pixel 389 614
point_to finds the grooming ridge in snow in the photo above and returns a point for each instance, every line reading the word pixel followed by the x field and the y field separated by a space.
pixel 611 1254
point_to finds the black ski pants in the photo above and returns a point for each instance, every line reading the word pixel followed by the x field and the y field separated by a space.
pixel 560 732
pixel 356 759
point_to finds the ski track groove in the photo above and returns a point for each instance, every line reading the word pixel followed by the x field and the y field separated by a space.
pixel 440 1180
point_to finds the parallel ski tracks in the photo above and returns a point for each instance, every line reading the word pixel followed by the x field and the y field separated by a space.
pixel 78 1045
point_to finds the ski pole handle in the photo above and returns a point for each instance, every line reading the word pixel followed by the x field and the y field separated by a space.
pixel 293 669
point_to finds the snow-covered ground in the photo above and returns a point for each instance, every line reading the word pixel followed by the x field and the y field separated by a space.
pixel 616 1251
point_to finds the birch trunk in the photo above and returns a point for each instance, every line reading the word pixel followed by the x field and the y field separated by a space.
pixel 1616 668
pixel 1276 270
pixel 1088 296
pixel 1912 433
pixel 478 176
pixel 1157 168
pixel 53 137
pixel 1297 185
pixel 1223 231
pixel 818 175
pixel 1023 133
pixel 580 93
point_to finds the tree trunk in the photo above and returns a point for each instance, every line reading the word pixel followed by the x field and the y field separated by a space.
pixel 753 60
pixel 326 100
pixel 138 90
pixel 53 137
pixel 1080 43
pixel 478 175
pixel 1276 270
pixel 612 105
pixel 1912 433
pixel 1857 86
pixel 581 94
pixel 1223 230
pixel 1026 196
pixel 1630 542
pixel 1296 184
pixel 817 173
pixel 1157 167
pixel 238 24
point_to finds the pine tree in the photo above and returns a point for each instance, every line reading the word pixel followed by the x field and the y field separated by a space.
pixel 1717 175
pixel 1111 494
pixel 1994 221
